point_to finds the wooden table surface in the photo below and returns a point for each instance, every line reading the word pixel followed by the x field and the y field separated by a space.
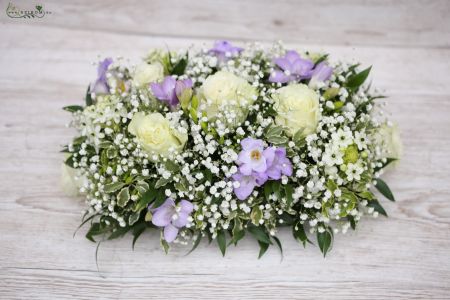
pixel 45 64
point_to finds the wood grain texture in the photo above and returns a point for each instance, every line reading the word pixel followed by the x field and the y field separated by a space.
pixel 45 65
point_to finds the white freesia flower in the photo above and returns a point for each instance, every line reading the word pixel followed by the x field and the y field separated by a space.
pixel 297 107
pixel 156 135
pixel 224 90
pixel 147 73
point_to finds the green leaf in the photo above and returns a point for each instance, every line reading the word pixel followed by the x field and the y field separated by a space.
pixel 69 161
pixel 84 222
pixel 274 130
pixel 352 221
pixel 277 140
pixel 298 231
pixel 111 152
pixel 137 231
pixel 267 190
pixel 366 195
pixel 299 138
pixel 331 93
pixel 171 166
pixel 324 239
pixel 148 216
pixel 356 80
pixel 377 207
pixel 142 187
pixel 276 186
pixel 262 248
pixel 385 164
pixel 383 188
pixel 162 182
pixel 196 243
pixel 320 59
pixel 182 185
pixel 331 185
pixel 259 233
pixel 256 215
pixel 164 244
pixel 113 187
pixel 134 218
pixel 160 198
pixel 88 98
pixel 221 241
pixel 119 232
pixel 194 102
pixel 73 108
pixel 145 200
pixel 123 197
pixel 288 190
pixel 277 241
pixel 238 232
pixel 180 67
pixel 97 229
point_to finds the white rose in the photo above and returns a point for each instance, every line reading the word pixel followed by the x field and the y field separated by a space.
pixel 155 134
pixel 389 139
pixel 297 108
pixel 226 90
pixel 147 73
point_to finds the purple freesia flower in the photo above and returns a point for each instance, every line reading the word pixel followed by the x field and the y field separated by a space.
pixel 100 86
pixel 170 90
pixel 171 217
pixel 322 72
pixel 257 165
pixel 247 183
pixel 292 67
pixel 251 158
pixel 278 163
pixel 224 50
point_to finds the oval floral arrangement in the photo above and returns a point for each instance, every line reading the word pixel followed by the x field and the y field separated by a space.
pixel 224 142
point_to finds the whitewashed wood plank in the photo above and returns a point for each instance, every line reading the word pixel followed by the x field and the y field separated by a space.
pixel 405 256
pixel 398 70
pixel 351 22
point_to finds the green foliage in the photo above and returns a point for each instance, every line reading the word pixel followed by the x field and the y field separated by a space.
pixel 73 108
pixel 123 197
pixel 137 231
pixel 377 207
pixel 389 160
pixel 196 243
pixel 69 161
pixel 384 189
pixel 275 135
pixel 238 232
pixel 288 192
pixel 134 217
pixel 164 244
pixel 180 66
pixel 356 80
pixel 259 233
pixel 113 187
pixel 88 98
pixel 325 240
pixel 262 248
pixel 256 215
pixel 278 243
pixel 299 233
pixel 221 241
